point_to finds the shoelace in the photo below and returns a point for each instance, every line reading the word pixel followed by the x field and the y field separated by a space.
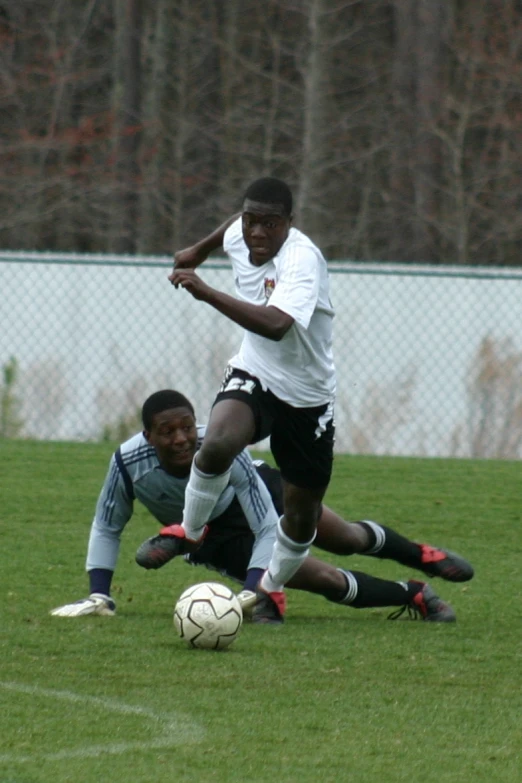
pixel 413 612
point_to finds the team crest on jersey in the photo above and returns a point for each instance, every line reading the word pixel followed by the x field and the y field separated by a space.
pixel 269 287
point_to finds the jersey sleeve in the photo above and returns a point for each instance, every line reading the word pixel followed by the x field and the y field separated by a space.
pixel 257 506
pixel 113 510
pixel 252 494
pixel 297 289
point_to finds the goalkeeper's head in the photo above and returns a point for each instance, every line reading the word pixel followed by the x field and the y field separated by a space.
pixel 169 425
pixel 162 401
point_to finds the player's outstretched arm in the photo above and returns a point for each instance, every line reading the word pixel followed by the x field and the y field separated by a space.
pixel 96 603
pixel 269 322
pixel 191 257
pixel 102 553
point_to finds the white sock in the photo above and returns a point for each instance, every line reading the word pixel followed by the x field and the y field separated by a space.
pixel 201 495
pixel 287 556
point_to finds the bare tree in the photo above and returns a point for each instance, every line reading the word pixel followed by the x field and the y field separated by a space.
pixel 315 115
pixel 417 88
pixel 132 126
pixel 55 130
pixel 480 219
pixel 127 105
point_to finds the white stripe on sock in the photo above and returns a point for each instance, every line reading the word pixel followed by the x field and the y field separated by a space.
pixel 351 593
pixel 380 537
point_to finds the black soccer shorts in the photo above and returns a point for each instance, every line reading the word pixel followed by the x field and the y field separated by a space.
pixel 301 439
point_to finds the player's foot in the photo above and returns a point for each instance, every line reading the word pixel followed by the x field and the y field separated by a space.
pixel 269 608
pixel 426 605
pixel 447 565
pixel 247 599
pixel 158 550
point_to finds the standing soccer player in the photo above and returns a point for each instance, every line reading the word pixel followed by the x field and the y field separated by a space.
pixel 280 384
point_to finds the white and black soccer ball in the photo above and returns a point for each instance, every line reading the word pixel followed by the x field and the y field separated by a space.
pixel 208 616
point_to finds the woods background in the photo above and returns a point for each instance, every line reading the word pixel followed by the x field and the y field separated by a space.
pixel 129 126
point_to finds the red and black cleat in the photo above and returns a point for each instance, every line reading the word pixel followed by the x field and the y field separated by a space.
pixel 171 541
pixel 158 550
pixel 426 605
pixel 269 608
pixel 447 565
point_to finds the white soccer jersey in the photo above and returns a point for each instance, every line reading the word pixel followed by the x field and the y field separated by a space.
pixel 135 473
pixel 298 369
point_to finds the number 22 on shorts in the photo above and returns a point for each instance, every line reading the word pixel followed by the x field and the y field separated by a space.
pixel 239 384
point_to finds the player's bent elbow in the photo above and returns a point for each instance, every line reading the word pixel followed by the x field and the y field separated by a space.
pixel 272 332
pixel 280 323
pixel 277 336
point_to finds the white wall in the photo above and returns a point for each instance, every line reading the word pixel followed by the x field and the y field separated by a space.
pixel 94 336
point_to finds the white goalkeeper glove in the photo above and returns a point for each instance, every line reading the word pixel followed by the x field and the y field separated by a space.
pixel 96 603
pixel 247 599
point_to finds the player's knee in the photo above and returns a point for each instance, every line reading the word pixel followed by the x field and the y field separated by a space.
pixel 299 524
pixel 217 453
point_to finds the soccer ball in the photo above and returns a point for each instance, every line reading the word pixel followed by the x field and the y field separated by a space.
pixel 208 616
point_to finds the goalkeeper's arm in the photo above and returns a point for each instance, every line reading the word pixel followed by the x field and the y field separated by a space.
pixel 102 552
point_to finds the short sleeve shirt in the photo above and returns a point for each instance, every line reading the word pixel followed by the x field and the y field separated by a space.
pixel 299 369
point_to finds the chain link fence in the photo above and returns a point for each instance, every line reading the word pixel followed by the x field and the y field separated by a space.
pixel 429 359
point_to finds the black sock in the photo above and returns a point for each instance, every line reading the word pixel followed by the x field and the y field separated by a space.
pixel 389 545
pixel 100 580
pixel 364 591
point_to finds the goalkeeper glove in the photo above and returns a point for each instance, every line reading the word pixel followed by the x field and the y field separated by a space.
pixel 96 603
pixel 171 541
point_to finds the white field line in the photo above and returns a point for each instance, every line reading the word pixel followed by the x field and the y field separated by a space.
pixel 171 728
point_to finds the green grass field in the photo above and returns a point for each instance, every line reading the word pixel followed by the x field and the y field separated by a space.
pixel 336 694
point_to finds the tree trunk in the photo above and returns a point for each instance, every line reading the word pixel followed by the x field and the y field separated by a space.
pixel 127 101
pixel 428 94
pixel 315 120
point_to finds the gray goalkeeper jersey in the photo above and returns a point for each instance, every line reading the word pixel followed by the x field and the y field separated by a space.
pixel 135 473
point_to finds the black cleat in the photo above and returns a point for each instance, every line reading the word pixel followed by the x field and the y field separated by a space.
pixel 426 605
pixel 447 565
pixel 269 608
pixel 158 550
